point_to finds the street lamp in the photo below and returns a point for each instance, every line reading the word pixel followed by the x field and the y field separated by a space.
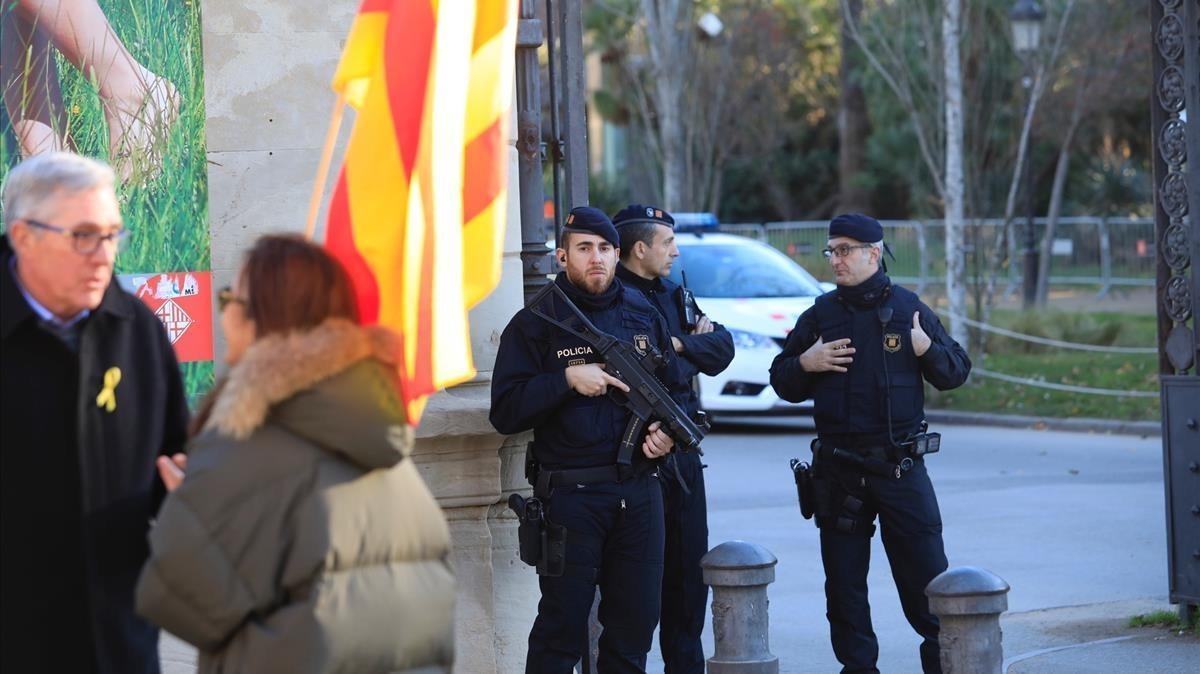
pixel 1026 17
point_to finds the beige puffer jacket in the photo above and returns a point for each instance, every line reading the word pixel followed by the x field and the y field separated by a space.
pixel 303 539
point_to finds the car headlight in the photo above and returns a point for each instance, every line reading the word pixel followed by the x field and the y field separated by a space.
pixel 752 340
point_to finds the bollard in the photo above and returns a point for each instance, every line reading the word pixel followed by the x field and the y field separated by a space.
pixel 968 602
pixel 739 573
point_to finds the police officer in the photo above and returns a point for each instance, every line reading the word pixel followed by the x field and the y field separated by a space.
pixel 861 353
pixel 553 382
pixel 648 251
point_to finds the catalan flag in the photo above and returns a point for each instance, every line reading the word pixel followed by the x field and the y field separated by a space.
pixel 418 211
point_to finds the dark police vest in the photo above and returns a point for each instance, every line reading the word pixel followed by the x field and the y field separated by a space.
pixel 586 431
pixel 666 297
pixel 850 408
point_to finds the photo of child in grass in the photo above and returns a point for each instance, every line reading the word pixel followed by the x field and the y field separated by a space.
pixel 122 81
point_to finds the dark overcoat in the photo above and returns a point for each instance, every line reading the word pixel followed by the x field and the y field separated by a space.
pixel 78 481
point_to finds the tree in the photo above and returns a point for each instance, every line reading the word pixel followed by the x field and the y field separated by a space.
pixel 914 62
pixel 854 125
pixel 736 89
pixel 670 43
pixel 939 137
pixel 1105 41
pixel 953 197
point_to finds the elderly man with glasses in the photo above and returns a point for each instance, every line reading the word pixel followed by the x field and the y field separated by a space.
pixel 862 353
pixel 92 397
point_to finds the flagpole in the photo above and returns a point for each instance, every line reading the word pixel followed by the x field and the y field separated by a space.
pixel 314 204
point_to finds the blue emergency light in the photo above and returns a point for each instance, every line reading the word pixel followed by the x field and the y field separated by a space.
pixel 695 222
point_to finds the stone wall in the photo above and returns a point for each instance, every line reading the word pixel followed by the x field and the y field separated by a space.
pixel 267 69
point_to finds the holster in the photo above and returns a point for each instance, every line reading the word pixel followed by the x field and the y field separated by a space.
pixel 530 522
pixel 540 543
pixel 833 504
pixel 803 474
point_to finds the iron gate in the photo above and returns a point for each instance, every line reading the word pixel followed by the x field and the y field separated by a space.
pixel 1175 117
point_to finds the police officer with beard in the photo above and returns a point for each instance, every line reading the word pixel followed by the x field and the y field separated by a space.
pixel 861 353
pixel 553 382
pixel 648 251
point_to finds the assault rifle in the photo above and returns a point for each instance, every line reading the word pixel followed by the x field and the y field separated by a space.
pixel 647 399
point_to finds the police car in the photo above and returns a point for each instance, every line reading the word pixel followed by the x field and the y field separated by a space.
pixel 757 293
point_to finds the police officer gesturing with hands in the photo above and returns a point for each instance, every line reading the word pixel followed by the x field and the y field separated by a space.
pixel 837 355
pixel 861 353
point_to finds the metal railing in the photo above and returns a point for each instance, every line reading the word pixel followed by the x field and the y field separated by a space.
pixel 1088 251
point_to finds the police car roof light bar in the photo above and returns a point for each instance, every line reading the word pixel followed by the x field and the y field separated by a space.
pixel 695 222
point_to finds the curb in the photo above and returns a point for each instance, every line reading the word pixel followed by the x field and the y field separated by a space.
pixel 1110 426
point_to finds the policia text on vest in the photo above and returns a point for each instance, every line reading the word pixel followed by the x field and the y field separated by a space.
pixel 611 513
pixel 542 543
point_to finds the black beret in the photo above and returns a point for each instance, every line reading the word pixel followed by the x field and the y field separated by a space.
pixel 589 220
pixel 636 213
pixel 856 226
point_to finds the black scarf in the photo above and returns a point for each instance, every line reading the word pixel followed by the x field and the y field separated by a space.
pixel 869 292
pixel 585 300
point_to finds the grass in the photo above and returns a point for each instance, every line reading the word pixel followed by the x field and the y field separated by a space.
pixel 168 215
pixel 1167 619
pixel 1137 372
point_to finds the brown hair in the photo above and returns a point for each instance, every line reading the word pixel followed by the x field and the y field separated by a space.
pixel 289 284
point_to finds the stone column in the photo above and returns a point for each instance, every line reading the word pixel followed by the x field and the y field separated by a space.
pixel 267 70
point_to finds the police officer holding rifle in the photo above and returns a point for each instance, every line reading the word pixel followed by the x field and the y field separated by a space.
pixel 589 366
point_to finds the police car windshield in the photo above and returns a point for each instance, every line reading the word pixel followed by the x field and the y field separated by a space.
pixel 747 270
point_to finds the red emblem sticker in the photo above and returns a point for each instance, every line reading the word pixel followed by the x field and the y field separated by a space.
pixel 183 302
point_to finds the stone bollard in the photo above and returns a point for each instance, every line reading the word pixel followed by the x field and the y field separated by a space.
pixel 968 601
pixel 739 573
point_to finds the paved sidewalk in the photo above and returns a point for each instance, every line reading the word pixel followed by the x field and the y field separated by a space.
pixel 1092 639
pixel 1095 639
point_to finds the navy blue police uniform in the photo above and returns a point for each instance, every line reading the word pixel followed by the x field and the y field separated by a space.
pixel 614 525
pixel 684 594
pixel 851 412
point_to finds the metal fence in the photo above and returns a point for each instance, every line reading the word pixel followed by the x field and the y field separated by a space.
pixel 1086 251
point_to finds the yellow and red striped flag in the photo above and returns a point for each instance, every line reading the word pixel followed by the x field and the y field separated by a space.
pixel 418 211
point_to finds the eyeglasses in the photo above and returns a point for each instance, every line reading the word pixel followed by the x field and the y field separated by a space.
pixel 843 250
pixel 225 297
pixel 84 239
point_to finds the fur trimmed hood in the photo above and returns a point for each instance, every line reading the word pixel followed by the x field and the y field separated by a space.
pixel 334 385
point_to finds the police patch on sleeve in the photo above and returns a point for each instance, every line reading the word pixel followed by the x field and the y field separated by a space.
pixel 891 342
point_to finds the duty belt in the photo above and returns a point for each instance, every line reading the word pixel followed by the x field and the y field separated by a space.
pixel 547 480
pixel 878 459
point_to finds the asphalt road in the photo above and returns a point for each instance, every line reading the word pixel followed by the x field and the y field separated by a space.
pixel 1067 519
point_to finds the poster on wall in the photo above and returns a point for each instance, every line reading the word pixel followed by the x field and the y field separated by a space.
pixel 122 81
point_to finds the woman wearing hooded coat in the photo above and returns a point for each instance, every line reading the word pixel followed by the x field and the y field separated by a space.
pixel 302 538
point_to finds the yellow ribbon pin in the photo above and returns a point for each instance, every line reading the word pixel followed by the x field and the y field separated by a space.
pixel 108 395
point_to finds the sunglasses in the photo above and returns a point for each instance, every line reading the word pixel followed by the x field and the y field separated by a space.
pixel 225 297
